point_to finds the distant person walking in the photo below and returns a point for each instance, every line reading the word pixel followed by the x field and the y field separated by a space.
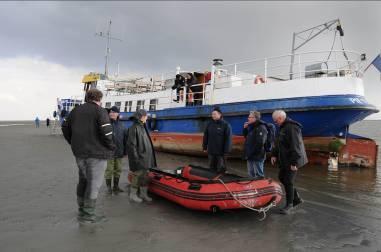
pixel 47 122
pixel 114 165
pixel 290 154
pixel 89 132
pixel 255 133
pixel 217 141
pixel 37 122
pixel 141 156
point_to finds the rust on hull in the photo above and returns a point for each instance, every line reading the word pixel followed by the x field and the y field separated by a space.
pixel 352 151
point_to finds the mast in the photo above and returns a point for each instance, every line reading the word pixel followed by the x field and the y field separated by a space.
pixel 108 38
pixel 311 34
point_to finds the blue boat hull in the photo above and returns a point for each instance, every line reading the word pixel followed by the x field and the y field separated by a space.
pixel 320 116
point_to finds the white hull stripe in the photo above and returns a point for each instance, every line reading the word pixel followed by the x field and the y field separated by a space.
pixel 108 133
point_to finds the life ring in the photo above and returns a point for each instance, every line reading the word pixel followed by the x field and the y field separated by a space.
pixel 259 79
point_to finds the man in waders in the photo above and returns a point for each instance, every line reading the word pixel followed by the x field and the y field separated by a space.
pixel 217 141
pixel 89 132
pixel 141 157
pixel 114 165
pixel 290 154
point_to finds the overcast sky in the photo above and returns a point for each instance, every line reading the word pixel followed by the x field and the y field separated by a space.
pixel 46 47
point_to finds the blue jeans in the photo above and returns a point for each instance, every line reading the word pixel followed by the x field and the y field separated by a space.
pixel 255 168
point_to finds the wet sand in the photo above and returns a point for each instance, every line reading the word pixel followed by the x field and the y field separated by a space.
pixel 342 211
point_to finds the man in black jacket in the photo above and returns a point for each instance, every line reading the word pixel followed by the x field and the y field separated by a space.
pixel 141 156
pixel 290 155
pixel 255 133
pixel 114 165
pixel 217 141
pixel 88 130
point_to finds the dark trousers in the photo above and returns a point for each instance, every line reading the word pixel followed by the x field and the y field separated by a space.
pixel 217 163
pixel 287 178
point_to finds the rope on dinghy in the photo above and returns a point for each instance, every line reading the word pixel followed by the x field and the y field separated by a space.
pixel 262 210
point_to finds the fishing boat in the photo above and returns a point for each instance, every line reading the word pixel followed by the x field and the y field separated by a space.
pixel 323 90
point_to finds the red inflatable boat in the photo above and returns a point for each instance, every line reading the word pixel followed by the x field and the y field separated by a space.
pixel 202 189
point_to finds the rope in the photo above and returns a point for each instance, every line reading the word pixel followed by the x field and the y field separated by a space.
pixel 344 53
pixel 262 210
pixel 333 44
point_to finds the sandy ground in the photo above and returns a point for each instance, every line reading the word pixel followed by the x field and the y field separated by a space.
pixel 38 209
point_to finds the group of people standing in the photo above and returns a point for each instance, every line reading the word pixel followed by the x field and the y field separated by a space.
pixel 99 142
pixel 287 148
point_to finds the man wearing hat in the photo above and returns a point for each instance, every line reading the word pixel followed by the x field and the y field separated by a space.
pixel 217 141
pixel 141 156
pixel 114 165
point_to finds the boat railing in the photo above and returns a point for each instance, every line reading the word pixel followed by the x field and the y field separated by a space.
pixel 181 97
pixel 196 94
pixel 279 69
pixel 306 65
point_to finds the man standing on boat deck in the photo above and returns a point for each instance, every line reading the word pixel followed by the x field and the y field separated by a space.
pixel 141 156
pixel 255 133
pixel 89 132
pixel 114 165
pixel 217 141
pixel 290 154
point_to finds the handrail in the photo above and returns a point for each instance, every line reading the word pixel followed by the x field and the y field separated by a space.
pixel 288 55
pixel 270 67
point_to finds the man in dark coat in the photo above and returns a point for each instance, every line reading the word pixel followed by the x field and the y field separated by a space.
pixel 217 141
pixel 114 165
pixel 255 133
pixel 290 154
pixel 88 130
pixel 179 85
pixel 141 156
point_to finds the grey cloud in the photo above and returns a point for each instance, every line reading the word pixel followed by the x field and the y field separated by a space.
pixel 161 35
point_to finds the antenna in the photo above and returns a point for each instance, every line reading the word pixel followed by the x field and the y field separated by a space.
pixel 109 38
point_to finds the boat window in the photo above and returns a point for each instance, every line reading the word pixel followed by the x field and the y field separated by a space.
pixel 152 104
pixel 108 105
pixel 140 104
pixel 128 106
pixel 118 104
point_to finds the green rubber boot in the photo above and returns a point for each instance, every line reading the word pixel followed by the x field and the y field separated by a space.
pixel 134 195
pixel 144 194
pixel 116 188
pixel 108 184
pixel 81 203
pixel 89 215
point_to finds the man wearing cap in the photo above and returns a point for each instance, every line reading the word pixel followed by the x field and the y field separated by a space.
pixel 88 130
pixel 217 141
pixel 114 165
pixel 141 156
